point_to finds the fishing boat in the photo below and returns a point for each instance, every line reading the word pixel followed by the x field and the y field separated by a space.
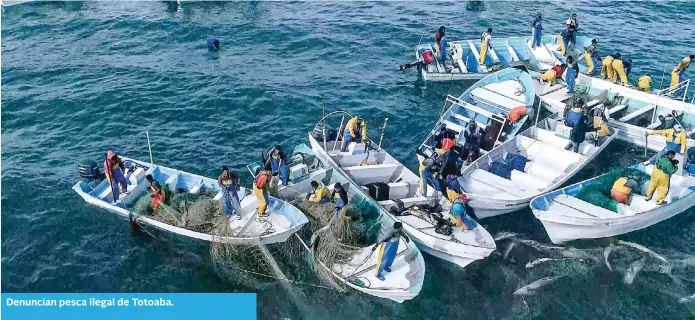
pixel 374 168
pixel 532 163
pixel 487 102
pixel 464 55
pixel 358 271
pixel 566 217
pixel 631 112
pixel 283 219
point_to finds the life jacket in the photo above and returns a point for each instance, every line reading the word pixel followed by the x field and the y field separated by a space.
pixel 261 179
pixel 573 117
pixel 619 186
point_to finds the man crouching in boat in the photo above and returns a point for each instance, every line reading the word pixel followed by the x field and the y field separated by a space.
pixel 340 198
pixel 115 170
pixel 457 214
pixel 319 193
pixel 260 189
pixel 389 249
pixel 623 188
pixel 354 130
pixel 229 183
pixel 661 177
pixel 158 193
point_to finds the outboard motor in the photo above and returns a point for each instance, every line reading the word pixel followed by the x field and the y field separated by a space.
pixel 89 171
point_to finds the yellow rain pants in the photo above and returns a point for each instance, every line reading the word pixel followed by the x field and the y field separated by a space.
pixel 483 53
pixel 261 200
pixel 589 63
pixel 644 83
pixel 660 182
pixel 548 76
pixel 452 195
pixel 619 70
pixel 607 68
pixel 560 44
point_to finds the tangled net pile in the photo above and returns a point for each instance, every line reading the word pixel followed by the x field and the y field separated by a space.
pixel 196 212
pixel 599 192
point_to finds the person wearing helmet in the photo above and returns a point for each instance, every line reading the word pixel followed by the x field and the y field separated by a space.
pixel 623 189
pixel 536 31
pixel 485 40
pixel 319 193
pixel 389 248
pixel 457 213
pixel 676 139
pixel 355 129
pixel 591 57
pixel 114 169
pixel 229 183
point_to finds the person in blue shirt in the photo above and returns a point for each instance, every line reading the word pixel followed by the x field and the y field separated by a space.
pixel 536 31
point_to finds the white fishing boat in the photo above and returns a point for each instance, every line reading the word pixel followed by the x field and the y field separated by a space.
pixel 566 217
pixel 532 163
pixel 283 219
pixel 487 102
pixel 404 282
pixel 464 55
pixel 372 168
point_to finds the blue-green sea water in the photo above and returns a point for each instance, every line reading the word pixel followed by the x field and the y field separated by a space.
pixel 79 78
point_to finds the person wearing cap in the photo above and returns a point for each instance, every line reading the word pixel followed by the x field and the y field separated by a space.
pixel 355 129
pixel 229 183
pixel 591 57
pixel 623 188
pixel 678 70
pixel 664 167
pixel 676 141
pixel 536 31
pixel 340 198
pixel 457 213
pixel 644 83
pixel 485 40
pixel 319 193
pixel 389 249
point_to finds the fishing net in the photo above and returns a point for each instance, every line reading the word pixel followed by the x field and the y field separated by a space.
pixel 196 212
pixel 599 192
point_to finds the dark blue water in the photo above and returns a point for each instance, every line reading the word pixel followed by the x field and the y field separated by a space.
pixel 79 78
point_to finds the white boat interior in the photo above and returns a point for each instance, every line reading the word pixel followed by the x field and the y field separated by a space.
pixel 282 221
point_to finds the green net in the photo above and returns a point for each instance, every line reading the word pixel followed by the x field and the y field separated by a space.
pixel 197 212
pixel 599 192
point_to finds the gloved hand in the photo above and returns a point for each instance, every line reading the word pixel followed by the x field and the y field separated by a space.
pixel 675 162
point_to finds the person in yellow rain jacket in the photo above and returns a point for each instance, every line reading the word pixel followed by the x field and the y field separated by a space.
pixel 260 189
pixel 618 70
pixel 678 70
pixel 676 140
pixel 320 192
pixel 664 167
pixel 607 67
pixel 644 83
pixel 355 129
pixel 485 39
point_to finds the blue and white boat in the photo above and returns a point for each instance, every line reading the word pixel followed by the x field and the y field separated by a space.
pixel 283 219
pixel 566 217
pixel 487 102
pixel 463 57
